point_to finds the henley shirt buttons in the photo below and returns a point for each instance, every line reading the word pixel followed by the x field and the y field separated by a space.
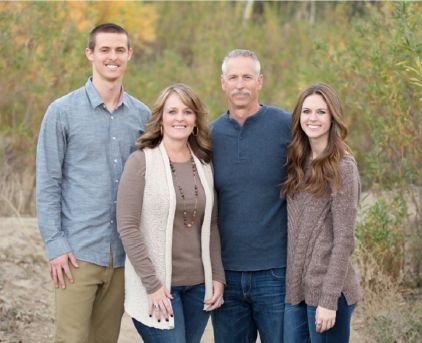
pixel 111 221
pixel 115 161
pixel 114 138
pixel 112 117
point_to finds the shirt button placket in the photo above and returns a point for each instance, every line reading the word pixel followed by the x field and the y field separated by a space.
pixel 240 144
pixel 114 156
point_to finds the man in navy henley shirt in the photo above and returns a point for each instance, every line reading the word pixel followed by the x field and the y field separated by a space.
pixel 250 142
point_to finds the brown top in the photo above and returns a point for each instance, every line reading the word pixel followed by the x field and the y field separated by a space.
pixel 321 242
pixel 187 269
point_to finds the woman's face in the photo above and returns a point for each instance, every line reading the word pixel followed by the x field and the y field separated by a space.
pixel 178 119
pixel 315 118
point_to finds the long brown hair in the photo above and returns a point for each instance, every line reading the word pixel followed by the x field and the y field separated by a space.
pixel 200 142
pixel 323 174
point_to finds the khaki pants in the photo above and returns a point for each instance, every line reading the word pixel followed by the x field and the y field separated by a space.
pixel 90 310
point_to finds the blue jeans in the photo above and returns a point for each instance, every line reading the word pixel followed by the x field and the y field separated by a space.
pixel 253 302
pixel 299 324
pixel 190 319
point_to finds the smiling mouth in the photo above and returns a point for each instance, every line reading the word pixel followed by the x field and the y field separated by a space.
pixel 240 94
pixel 112 66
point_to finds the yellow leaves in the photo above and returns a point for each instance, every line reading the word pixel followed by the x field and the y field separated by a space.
pixel 138 18
pixel 79 16
pixel 6 6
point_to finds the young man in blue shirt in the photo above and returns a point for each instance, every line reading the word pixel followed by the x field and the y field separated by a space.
pixel 249 157
pixel 85 138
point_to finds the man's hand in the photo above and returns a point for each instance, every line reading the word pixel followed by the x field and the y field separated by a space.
pixel 59 265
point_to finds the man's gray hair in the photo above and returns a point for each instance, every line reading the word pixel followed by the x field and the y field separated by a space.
pixel 241 53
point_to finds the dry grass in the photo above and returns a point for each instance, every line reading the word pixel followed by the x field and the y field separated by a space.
pixel 17 180
pixel 17 192
pixel 387 257
pixel 388 312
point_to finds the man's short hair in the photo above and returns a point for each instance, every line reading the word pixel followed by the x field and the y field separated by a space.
pixel 241 53
pixel 108 28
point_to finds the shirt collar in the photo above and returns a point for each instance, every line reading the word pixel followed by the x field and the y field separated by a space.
pixel 96 100
pixel 255 115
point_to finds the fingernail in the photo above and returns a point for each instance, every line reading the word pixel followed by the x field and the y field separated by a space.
pixel 167 319
pixel 150 315
pixel 159 320
pixel 171 315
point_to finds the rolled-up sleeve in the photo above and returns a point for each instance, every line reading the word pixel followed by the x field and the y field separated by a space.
pixel 51 149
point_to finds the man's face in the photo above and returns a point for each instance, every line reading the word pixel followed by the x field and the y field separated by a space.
pixel 110 56
pixel 242 83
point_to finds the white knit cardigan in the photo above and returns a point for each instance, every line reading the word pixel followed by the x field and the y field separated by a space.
pixel 156 225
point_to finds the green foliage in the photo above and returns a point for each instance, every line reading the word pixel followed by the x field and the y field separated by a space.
pixel 370 53
pixel 36 61
pixel 378 72
pixel 380 231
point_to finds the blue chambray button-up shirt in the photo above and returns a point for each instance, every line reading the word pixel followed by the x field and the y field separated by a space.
pixel 81 151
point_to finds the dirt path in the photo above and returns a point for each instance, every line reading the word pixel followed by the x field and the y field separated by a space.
pixel 26 292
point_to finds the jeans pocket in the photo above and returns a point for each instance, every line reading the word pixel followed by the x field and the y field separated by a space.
pixel 278 273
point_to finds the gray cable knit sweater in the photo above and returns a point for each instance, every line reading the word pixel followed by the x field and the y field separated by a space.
pixel 321 242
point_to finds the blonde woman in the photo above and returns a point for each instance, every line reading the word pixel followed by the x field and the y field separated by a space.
pixel 167 221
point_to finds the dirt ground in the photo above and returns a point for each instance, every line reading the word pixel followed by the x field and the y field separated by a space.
pixel 26 291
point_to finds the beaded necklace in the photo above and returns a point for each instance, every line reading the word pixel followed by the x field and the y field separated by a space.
pixel 182 193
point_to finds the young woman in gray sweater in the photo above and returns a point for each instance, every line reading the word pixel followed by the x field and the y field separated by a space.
pixel 322 190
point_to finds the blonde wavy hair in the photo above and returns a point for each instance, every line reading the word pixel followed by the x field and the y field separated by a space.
pixel 323 175
pixel 200 143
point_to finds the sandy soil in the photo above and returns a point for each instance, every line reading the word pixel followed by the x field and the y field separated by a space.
pixel 26 291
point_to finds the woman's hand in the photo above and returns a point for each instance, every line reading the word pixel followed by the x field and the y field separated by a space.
pixel 324 319
pixel 217 297
pixel 160 304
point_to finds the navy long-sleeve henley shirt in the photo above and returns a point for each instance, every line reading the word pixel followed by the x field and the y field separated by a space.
pixel 250 164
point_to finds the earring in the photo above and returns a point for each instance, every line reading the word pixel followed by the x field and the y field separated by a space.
pixel 195 132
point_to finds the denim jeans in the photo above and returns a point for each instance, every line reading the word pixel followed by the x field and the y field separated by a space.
pixel 253 302
pixel 190 319
pixel 299 324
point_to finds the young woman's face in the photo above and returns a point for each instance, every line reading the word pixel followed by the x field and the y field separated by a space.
pixel 178 119
pixel 315 118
